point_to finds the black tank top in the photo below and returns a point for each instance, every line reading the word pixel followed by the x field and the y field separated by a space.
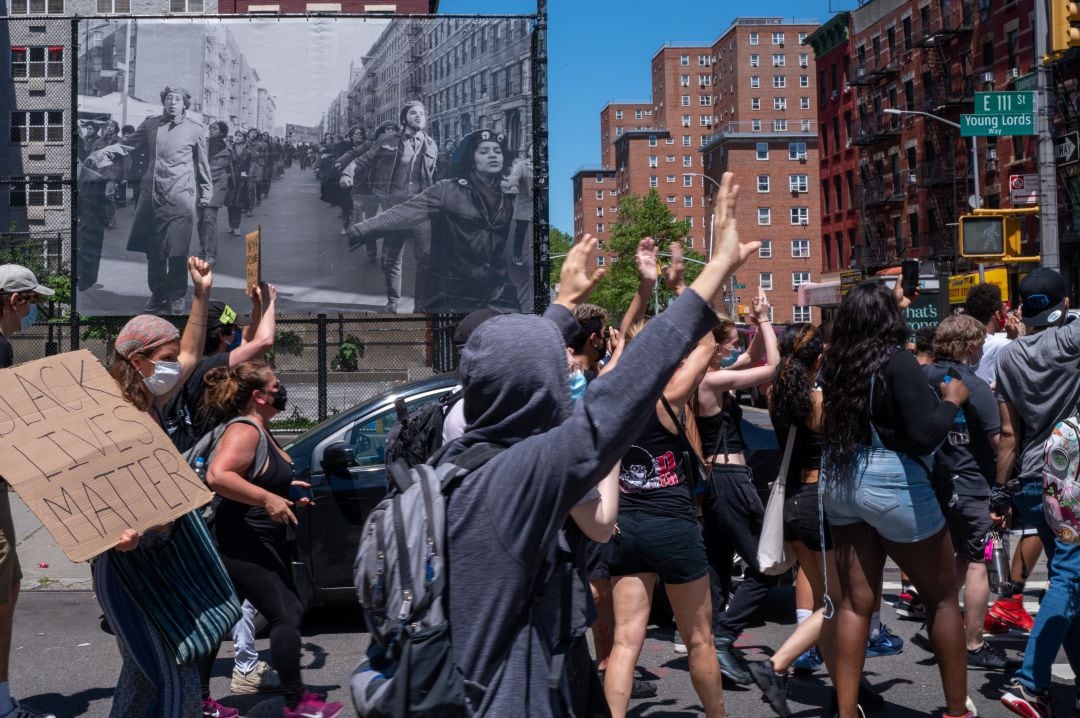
pixel 277 479
pixel 652 478
pixel 727 422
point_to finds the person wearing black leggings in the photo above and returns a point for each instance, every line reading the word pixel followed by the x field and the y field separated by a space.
pixel 252 475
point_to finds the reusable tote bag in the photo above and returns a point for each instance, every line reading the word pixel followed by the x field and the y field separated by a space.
pixel 772 557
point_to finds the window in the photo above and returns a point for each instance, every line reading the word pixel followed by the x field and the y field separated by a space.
pixel 754 39
pixel 755 61
pixel 688 180
pixel 600 260
pixel 804 81
pixel 800 215
pixel 686 140
pixel 671 197
pixel 37 126
pixel 37 191
pixel 703 60
pixel 755 82
pixel 779 103
pixel 36 7
pixel 654 181
pixel 704 80
pixel 637 114
pixel 705 100
pixel 804 103
pixel 705 120
pixel 684 60
pixel 765 250
pixel 798 278
pixel 599 211
pixel 599 194
pixel 762 150
pixel 804 59
pixel 185 5
pixel 687 201
pixel 764 216
pixel 763 183
pixel 778 38
pixel 612 193
pixel 669 140
pixel 802 314
pixel 800 248
pixel 652 140
pixel 755 125
pixel 765 281
pixel 599 179
pixel 670 159
pixel 755 103
pixel 599 227
pixel 802 36
pixel 670 179
pixel 779 125
pixel 46 62
pixel 686 121
pixel 779 60
pixel 779 81
pixel 112 7
pixel 618 114
pixel 684 101
pixel 799 183
pixel 684 81
pixel 796 151
pixel 653 161
pixel 687 160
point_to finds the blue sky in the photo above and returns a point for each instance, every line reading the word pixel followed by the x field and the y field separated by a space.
pixel 583 38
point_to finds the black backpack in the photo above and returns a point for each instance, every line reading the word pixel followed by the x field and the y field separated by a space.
pixel 418 433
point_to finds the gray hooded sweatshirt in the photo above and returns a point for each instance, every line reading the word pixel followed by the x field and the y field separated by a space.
pixel 504 518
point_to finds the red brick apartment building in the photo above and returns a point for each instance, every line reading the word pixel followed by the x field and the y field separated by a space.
pixel 400 7
pixel 765 118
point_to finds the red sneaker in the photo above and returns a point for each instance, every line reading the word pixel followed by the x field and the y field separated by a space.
pixel 1010 614
pixel 213 709
pixel 314 706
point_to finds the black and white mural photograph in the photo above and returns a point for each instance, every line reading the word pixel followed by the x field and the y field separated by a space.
pixel 386 163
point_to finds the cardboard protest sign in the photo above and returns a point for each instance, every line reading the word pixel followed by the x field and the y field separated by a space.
pixel 253 240
pixel 86 462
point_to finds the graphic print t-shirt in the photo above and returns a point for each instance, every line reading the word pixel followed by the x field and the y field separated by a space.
pixel 652 478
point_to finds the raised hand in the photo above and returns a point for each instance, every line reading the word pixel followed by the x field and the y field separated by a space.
pixel 575 282
pixel 645 260
pixel 202 277
pixel 728 252
pixel 760 307
pixel 675 273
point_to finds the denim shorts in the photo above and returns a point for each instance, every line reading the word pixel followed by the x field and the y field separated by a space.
pixel 890 492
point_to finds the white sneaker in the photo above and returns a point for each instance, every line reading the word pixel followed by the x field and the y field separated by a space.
pixel 21 711
pixel 261 679
pixel 679 647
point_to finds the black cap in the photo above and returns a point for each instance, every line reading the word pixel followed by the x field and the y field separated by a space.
pixel 472 320
pixel 220 315
pixel 1042 297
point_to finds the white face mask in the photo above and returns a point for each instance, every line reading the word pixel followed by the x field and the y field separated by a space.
pixel 166 375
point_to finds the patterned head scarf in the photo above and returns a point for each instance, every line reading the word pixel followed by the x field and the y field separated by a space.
pixel 143 333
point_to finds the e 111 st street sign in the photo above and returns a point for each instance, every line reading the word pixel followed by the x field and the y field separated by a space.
pixel 1004 103
pixel 997 124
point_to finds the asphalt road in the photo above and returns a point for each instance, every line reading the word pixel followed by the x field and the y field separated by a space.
pixel 303 253
pixel 63 662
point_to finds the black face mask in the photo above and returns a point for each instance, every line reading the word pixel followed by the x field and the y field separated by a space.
pixel 280 398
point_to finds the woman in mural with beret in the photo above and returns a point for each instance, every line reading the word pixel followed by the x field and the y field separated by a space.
pixel 466 264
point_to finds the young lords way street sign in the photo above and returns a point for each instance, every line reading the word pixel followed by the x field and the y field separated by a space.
pixel 996 125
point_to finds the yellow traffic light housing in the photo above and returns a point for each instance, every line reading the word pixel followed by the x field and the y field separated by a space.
pixel 1064 26
pixel 990 236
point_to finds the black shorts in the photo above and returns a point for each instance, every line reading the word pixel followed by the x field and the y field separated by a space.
pixel 671 547
pixel 596 561
pixel 802 521
pixel 969 522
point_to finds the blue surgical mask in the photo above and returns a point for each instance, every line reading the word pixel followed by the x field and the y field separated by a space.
pixel 237 340
pixel 730 359
pixel 578 384
pixel 31 317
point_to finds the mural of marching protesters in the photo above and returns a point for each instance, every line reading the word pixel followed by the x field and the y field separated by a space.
pixel 387 162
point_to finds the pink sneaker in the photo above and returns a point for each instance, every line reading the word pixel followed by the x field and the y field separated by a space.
pixel 213 709
pixel 312 705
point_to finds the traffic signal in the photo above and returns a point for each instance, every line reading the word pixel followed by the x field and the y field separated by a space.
pixel 988 235
pixel 1064 26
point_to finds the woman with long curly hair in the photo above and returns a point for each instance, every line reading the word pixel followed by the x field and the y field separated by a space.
pixel 882 422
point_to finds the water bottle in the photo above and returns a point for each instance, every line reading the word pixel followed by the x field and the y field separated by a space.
pixel 959 434
pixel 200 468
pixel 998 570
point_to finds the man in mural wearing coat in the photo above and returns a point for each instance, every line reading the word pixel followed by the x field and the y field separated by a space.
pixel 220 156
pixel 177 177
pixel 400 166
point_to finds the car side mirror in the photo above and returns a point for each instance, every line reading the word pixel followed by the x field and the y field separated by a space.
pixel 337 457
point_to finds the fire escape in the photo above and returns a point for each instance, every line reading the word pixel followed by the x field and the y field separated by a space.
pixel 1066 100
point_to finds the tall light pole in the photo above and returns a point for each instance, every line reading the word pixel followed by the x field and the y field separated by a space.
pixel 708 256
pixel 974 160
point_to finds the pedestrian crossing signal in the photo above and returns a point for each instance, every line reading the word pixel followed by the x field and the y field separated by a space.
pixel 1064 26
pixel 989 236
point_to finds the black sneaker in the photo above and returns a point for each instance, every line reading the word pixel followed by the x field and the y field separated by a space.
pixel 922 638
pixel 990 658
pixel 731 661
pixel 642 689
pixel 774 687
